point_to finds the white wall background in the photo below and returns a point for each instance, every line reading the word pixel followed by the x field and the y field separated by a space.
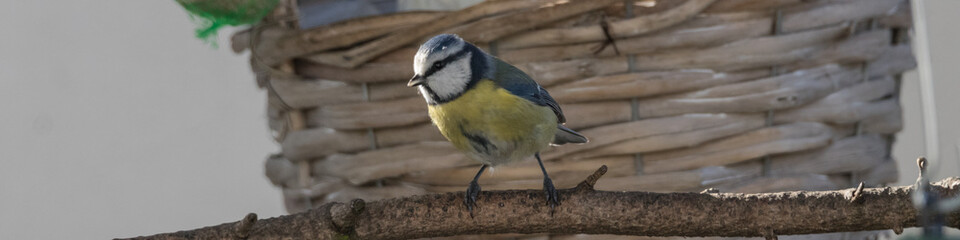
pixel 116 122
pixel 942 21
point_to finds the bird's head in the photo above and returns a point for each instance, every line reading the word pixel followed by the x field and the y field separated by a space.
pixel 445 66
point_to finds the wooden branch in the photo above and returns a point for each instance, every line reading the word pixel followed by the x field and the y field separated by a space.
pixel 589 211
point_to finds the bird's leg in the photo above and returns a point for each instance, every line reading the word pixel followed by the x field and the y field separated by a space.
pixel 473 191
pixel 553 198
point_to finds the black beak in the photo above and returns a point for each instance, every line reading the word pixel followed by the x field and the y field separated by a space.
pixel 416 80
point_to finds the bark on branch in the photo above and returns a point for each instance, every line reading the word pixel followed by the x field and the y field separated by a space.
pixel 585 210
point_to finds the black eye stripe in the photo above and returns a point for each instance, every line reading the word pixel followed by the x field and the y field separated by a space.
pixel 437 66
pixel 456 56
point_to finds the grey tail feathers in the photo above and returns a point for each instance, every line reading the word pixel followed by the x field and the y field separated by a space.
pixel 566 135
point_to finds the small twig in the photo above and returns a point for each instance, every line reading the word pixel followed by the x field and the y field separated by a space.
pixel 857 195
pixel 591 180
pixel 244 226
pixel 345 217
pixel 768 234
pixel 922 165
pixel 898 229
pixel 920 187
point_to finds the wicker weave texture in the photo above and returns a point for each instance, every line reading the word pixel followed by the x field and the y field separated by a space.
pixel 683 95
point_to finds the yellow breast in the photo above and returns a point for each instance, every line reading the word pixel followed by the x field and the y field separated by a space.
pixel 514 127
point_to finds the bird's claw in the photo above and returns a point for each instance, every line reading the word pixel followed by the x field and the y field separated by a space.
pixel 473 191
pixel 553 198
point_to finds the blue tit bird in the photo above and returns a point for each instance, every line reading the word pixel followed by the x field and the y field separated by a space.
pixel 489 109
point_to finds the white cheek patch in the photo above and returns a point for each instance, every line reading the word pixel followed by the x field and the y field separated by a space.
pixel 452 79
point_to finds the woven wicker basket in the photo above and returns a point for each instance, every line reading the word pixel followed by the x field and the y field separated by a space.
pixel 738 95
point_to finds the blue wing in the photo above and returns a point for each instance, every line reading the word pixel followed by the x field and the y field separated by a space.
pixel 520 84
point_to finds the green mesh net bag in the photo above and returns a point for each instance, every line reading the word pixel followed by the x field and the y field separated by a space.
pixel 211 15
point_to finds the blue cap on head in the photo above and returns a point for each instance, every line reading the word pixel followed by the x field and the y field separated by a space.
pixel 438 43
